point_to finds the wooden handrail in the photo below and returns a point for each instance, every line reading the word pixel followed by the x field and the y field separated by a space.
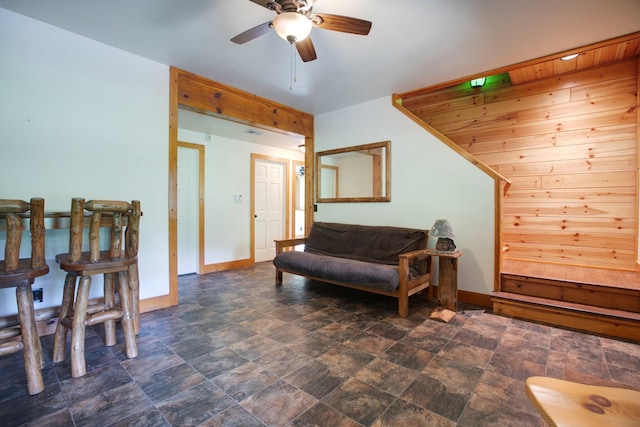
pixel 397 103
pixel 497 177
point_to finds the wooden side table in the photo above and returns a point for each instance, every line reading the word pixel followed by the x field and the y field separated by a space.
pixel 447 284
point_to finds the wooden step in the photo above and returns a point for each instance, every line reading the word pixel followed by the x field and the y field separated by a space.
pixel 605 296
pixel 597 320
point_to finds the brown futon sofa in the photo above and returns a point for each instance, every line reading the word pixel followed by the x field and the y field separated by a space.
pixel 391 261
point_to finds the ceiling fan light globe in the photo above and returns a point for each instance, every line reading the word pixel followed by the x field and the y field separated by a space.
pixel 292 26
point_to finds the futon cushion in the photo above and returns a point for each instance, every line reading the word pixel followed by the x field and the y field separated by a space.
pixel 379 244
pixel 378 276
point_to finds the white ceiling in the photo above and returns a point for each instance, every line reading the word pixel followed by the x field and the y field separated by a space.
pixel 412 44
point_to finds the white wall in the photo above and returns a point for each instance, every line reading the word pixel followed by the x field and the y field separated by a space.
pixel 428 181
pixel 79 118
pixel 227 173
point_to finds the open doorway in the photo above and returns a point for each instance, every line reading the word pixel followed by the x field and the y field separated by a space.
pixel 192 93
pixel 227 230
pixel 190 208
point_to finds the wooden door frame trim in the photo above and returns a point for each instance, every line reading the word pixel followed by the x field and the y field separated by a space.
pixel 294 196
pixel 206 96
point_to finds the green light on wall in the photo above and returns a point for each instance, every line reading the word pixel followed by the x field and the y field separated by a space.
pixel 479 82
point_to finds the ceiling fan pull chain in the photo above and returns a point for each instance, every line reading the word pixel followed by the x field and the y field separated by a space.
pixel 292 67
pixel 295 65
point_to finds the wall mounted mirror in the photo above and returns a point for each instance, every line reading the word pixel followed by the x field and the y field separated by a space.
pixel 361 173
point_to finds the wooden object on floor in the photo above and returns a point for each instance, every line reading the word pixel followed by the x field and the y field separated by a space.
pixel 442 314
pixel 21 273
pixel 565 404
pixel 447 284
pixel 117 266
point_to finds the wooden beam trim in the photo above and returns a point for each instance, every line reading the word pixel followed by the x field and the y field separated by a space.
pixel 173 186
pixel 214 98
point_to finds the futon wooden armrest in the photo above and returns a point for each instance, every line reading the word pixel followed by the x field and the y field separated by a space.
pixel 410 258
pixel 409 285
pixel 418 255
pixel 288 243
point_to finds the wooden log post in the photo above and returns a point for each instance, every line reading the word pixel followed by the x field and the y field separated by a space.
pixel 14 238
pixel 132 239
pixel 78 365
pixel 60 337
pixel 109 304
pixel 32 351
pixel 116 236
pixel 134 289
pixel 128 327
pixel 37 232
pixel 75 230
pixel 94 236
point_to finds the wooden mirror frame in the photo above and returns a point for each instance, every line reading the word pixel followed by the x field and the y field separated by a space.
pixel 381 172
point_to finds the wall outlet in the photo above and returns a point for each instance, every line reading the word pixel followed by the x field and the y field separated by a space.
pixel 37 295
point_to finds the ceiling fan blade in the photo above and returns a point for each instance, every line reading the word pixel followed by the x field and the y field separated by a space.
pixel 252 33
pixel 306 50
pixel 344 24
pixel 269 4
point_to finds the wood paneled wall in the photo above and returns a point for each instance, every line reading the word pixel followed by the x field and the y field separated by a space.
pixel 568 144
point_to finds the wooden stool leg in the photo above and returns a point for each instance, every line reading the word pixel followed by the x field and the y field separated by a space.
pixel 109 303
pixel 32 351
pixel 34 328
pixel 78 366
pixel 134 289
pixel 128 327
pixel 60 338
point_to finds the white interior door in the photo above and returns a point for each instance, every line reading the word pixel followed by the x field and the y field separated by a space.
pixel 188 203
pixel 269 207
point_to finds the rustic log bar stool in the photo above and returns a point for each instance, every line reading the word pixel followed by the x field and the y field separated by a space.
pixel 115 264
pixel 21 273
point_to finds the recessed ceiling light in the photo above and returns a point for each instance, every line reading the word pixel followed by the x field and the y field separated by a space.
pixel 479 82
pixel 254 132
pixel 569 57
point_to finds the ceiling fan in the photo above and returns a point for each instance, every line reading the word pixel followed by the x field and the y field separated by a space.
pixel 294 21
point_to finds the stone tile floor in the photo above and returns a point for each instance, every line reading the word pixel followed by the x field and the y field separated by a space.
pixel 239 351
